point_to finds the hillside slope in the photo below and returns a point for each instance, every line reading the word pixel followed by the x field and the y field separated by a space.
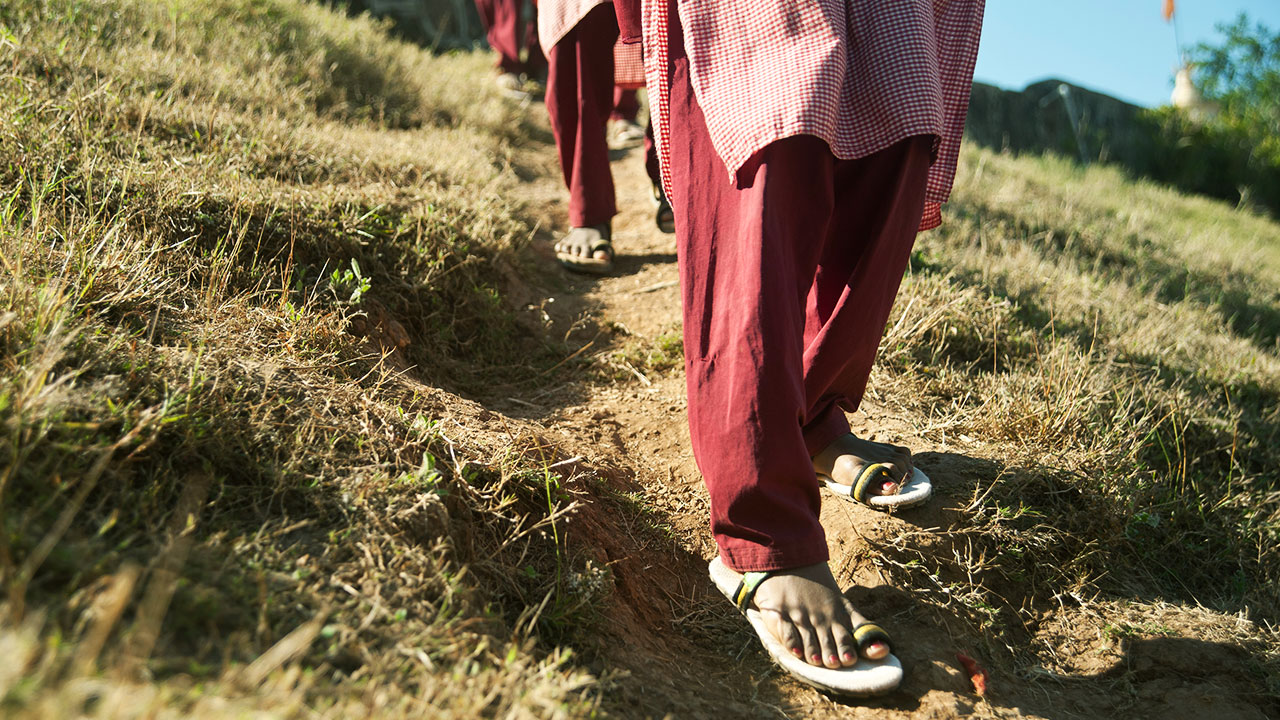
pixel 301 420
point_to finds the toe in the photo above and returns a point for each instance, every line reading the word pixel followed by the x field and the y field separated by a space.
pixel 830 649
pixel 809 640
pixel 786 633
pixel 846 646
pixel 876 651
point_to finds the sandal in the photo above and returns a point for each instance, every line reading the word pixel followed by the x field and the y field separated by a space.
pixel 595 239
pixel 914 492
pixel 512 87
pixel 865 678
pixel 664 217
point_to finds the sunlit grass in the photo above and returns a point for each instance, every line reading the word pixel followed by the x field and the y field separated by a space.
pixel 243 242
pixel 227 231
pixel 1112 347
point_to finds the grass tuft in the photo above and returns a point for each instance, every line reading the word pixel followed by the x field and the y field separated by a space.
pixel 237 238
pixel 1108 349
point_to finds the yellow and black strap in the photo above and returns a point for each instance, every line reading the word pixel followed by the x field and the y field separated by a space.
pixel 868 633
pixel 869 473
pixel 747 589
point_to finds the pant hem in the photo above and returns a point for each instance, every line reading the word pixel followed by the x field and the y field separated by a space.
pixel 824 431
pixel 592 220
pixel 754 559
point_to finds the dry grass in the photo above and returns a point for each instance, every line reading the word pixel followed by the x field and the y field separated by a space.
pixel 227 229
pixel 1110 349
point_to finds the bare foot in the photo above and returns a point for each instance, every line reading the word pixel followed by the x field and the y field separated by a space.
pixel 805 611
pixel 844 460
pixel 587 243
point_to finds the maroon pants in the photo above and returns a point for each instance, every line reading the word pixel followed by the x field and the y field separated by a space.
pixel 579 100
pixel 787 278
pixel 501 19
pixel 626 104
pixel 651 163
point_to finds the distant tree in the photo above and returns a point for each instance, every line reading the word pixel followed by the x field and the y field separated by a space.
pixel 1242 74
pixel 1236 155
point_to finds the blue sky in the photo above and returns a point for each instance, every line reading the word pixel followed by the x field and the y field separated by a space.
pixel 1120 47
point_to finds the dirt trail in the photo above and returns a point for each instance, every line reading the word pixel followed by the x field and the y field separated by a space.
pixel 688 654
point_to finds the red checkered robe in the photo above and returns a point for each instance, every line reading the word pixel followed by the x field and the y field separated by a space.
pixel 859 74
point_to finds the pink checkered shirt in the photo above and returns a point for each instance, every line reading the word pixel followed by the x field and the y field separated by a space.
pixel 860 74
pixel 628 66
pixel 557 17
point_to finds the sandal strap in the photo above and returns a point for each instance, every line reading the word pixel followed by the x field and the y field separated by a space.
pixel 868 633
pixel 869 473
pixel 746 591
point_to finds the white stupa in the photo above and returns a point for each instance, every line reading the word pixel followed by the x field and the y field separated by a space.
pixel 1188 98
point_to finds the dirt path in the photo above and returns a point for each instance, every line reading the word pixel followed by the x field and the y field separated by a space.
pixel 688 654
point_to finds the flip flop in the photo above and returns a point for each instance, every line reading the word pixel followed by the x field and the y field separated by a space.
pixel 625 133
pixel 663 217
pixel 512 87
pixel 588 263
pixel 866 678
pixel 916 491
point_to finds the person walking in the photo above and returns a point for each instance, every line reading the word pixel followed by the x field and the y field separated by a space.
pixel 578 37
pixel 803 144
pixel 506 30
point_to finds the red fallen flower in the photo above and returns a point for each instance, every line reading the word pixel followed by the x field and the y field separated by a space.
pixel 977 674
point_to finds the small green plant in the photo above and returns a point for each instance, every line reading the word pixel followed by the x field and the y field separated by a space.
pixel 1127 631
pixel 640 357
pixel 426 477
pixel 349 284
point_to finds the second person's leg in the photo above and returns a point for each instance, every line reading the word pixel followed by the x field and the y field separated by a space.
pixel 535 63
pixel 501 19
pixel 579 100
pixel 878 204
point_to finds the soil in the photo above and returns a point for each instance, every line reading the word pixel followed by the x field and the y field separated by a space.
pixel 670 645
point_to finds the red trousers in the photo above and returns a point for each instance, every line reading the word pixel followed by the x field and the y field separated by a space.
pixel 652 165
pixel 626 104
pixel 579 100
pixel 787 278
pixel 501 19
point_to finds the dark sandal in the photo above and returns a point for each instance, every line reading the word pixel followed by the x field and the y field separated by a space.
pixel 664 217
